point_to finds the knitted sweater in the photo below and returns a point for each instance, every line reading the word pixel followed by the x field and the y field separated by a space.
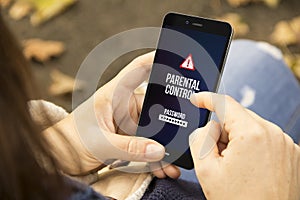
pixel 167 189
pixel 159 189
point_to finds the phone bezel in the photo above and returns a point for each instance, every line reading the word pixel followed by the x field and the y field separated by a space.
pixel 203 25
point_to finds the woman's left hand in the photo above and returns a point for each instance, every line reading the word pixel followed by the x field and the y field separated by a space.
pixel 119 105
pixel 103 127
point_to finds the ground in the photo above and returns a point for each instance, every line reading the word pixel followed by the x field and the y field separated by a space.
pixel 89 22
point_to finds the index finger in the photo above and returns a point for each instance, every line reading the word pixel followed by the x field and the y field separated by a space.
pixel 229 111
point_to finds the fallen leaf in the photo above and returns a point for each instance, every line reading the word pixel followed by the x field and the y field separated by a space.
pixel 20 9
pixel 4 3
pixel 42 50
pixel 283 34
pixel 63 84
pixel 46 9
pixel 287 32
pixel 272 3
pixel 296 67
pixel 295 24
pixel 238 3
pixel 240 27
pixel 289 60
pixel 297 72
pixel 293 62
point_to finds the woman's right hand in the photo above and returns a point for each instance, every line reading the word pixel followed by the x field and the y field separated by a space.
pixel 243 156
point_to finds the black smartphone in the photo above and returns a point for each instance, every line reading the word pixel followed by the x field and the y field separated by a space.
pixel 189 58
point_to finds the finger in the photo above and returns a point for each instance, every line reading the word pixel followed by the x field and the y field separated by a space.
pixel 126 115
pixel 264 123
pixel 203 146
pixel 141 61
pixel 273 128
pixel 139 94
pixel 170 170
pixel 133 148
pixel 136 71
pixel 223 137
pixel 229 111
pixel 256 116
pixel 157 170
pixel 139 102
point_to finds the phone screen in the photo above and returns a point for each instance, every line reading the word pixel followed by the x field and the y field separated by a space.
pixel 189 58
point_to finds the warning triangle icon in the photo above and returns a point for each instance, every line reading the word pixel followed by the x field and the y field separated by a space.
pixel 188 63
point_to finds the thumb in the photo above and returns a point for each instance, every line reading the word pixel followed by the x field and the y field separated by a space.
pixel 136 72
pixel 132 148
pixel 203 144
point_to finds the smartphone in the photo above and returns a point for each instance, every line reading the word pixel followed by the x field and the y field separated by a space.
pixel 190 56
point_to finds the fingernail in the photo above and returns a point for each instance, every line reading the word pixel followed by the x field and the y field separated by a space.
pixel 154 151
pixel 208 145
pixel 193 136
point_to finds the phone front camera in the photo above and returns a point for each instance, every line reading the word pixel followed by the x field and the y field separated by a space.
pixel 187 22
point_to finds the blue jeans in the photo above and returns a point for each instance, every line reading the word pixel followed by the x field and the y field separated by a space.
pixel 256 76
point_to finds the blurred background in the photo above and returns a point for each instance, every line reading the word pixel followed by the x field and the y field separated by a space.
pixel 57 35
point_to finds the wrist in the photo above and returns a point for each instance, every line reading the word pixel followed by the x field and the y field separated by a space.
pixel 67 148
pixel 298 170
pixel 295 185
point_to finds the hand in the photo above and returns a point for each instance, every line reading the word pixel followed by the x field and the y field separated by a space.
pixel 99 129
pixel 243 156
pixel 118 107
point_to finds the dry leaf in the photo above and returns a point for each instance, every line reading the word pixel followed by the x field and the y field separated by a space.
pixel 296 71
pixel 240 27
pixel 42 50
pixel 296 67
pixel 272 3
pixel 43 9
pixel 63 84
pixel 20 9
pixel 293 62
pixel 287 32
pixel 4 3
pixel 283 34
pixel 46 9
pixel 295 25
pixel 238 3
pixel 289 60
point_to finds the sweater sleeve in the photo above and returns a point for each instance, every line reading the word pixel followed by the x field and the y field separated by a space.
pixel 45 113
